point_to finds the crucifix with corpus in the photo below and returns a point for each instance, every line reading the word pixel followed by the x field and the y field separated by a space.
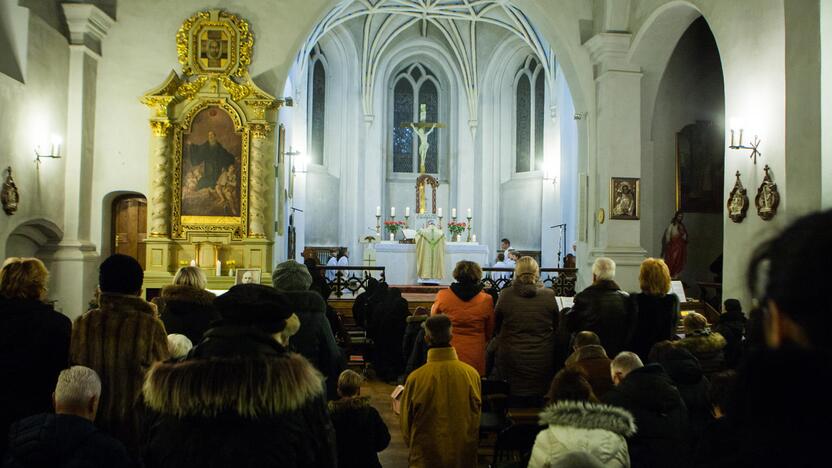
pixel 423 129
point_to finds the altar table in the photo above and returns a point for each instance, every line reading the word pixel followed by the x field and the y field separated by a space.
pixel 400 259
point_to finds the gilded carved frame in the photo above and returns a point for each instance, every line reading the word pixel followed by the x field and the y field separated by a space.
pixel 237 225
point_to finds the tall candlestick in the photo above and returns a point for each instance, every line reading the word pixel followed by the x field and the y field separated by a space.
pixel 392 211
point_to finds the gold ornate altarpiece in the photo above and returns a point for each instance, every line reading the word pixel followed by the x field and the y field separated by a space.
pixel 215 50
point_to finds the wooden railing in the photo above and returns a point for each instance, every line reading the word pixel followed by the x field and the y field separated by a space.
pixel 342 279
pixel 561 280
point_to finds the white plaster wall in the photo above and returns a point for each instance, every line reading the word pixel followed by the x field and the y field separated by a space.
pixel 826 101
pixel 14 32
pixel 28 110
pixel 691 89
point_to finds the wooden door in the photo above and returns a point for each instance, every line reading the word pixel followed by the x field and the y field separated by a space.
pixel 130 226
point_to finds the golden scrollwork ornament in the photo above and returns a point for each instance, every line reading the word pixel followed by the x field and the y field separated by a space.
pixel 737 205
pixel 768 198
pixel 9 194
pixel 215 42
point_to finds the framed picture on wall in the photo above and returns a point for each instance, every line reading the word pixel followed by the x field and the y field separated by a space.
pixel 248 276
pixel 625 198
pixel 699 168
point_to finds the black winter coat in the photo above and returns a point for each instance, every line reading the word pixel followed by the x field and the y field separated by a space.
pixel 411 333
pixel 186 310
pixel 256 406
pixel 387 328
pixel 731 326
pixel 315 340
pixel 360 432
pixel 686 373
pixel 34 349
pixel 62 441
pixel 655 320
pixel 605 309
pixel 661 418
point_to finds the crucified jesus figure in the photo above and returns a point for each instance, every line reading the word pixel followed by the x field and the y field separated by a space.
pixel 423 143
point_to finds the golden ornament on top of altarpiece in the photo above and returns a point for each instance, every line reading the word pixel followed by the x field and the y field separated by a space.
pixel 215 42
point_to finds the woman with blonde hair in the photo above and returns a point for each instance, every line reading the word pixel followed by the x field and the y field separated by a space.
pixel 471 312
pixel 526 320
pixel 35 342
pixel 657 308
pixel 185 307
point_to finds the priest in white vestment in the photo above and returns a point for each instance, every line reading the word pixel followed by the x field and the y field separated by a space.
pixel 430 253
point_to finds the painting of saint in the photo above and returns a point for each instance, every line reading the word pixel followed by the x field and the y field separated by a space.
pixel 624 198
pixel 700 168
pixel 211 159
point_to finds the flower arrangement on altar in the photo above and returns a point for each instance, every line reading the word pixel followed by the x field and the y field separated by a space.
pixel 393 226
pixel 457 228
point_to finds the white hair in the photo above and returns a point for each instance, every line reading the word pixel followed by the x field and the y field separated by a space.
pixel 179 345
pixel 625 363
pixel 76 386
pixel 604 268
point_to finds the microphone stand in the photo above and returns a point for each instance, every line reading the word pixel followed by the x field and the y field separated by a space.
pixel 561 240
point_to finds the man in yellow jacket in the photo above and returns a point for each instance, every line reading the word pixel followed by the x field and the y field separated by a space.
pixel 441 405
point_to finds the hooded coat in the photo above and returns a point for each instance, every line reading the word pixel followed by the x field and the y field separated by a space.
pixel 686 373
pixel 360 432
pixel 707 347
pixel 472 314
pixel 62 441
pixel 238 400
pixel 120 341
pixel 597 429
pixel 660 415
pixel 526 317
pixel 34 348
pixel 732 327
pixel 186 310
pixel 440 418
pixel 605 309
pixel 315 340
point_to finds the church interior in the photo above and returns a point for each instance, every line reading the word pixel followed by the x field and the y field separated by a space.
pixel 393 141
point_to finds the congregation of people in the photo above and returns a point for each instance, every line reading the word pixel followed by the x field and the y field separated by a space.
pixel 258 376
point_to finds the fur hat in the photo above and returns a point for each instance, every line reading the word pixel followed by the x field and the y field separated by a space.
pixel 254 305
pixel 291 276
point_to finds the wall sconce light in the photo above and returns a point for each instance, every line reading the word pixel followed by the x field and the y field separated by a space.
pixel 49 150
pixel 298 161
pixel 736 127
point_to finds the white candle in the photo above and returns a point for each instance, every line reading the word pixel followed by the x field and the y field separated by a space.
pixel 392 236
pixel 392 211
pixel 378 211
pixel 453 212
pixel 193 262
pixel 469 212
pixel 439 212
pixel 473 237
pixel 219 268
pixel 407 211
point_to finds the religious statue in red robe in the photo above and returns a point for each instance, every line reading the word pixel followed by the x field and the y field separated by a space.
pixel 675 245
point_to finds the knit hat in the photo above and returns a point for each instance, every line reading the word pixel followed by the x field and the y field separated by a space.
pixel 254 305
pixel 291 276
pixel 733 305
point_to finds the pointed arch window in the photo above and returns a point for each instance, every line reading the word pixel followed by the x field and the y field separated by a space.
pixel 317 105
pixel 414 86
pixel 530 96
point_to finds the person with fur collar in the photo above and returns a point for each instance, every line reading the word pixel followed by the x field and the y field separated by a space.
pixel 360 431
pixel 578 423
pixel 185 307
pixel 120 340
pixel 240 399
pixel 315 340
pixel 706 345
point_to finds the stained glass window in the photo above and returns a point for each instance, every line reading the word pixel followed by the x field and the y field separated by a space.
pixel 523 124
pixel 539 98
pixel 402 137
pixel 318 112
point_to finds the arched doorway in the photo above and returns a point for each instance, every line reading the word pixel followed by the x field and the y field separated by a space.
pixel 129 226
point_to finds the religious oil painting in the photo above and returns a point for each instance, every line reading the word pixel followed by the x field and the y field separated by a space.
pixel 625 198
pixel 699 168
pixel 211 163
pixel 213 49
pixel 248 276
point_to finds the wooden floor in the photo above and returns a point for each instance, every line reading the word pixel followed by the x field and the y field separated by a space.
pixel 395 456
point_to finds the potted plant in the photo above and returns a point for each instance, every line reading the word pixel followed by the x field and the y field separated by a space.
pixel 456 228
pixel 393 227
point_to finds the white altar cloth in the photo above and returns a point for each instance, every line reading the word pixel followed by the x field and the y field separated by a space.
pixel 400 260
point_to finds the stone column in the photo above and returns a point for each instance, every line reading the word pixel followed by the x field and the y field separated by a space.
pixel 75 259
pixel 160 197
pixel 618 151
pixel 259 180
